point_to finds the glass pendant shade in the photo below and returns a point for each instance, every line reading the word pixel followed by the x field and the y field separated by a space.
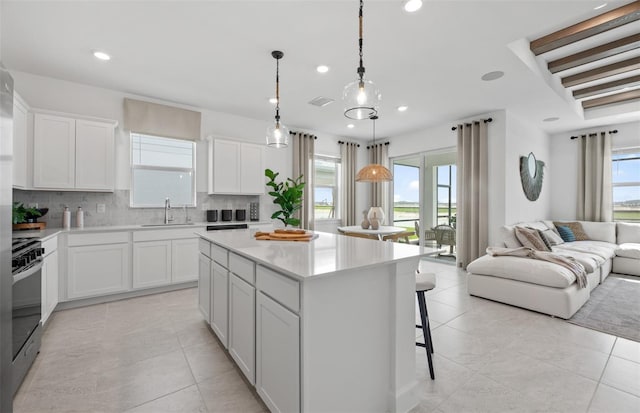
pixel 374 173
pixel 277 135
pixel 361 99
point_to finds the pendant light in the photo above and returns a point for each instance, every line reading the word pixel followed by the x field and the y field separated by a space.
pixel 277 134
pixel 374 172
pixel 361 97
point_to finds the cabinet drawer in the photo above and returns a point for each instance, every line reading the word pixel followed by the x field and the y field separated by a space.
pixel 283 289
pixel 50 245
pixel 243 268
pixel 204 247
pixel 219 255
pixel 164 234
pixel 97 238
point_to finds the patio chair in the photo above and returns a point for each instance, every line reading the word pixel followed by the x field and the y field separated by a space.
pixel 445 235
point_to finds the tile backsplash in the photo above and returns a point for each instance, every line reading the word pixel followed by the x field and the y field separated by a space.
pixel 118 212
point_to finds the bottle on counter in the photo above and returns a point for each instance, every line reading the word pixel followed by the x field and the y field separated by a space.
pixel 80 218
pixel 66 218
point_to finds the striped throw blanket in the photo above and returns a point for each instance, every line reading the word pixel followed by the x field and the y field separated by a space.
pixel 524 252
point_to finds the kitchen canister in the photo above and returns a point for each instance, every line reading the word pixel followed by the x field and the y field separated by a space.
pixel 80 218
pixel 66 218
pixel 212 215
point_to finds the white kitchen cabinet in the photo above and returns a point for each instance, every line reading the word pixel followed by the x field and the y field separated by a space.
pixel 236 168
pixel 73 154
pixel 20 146
pixel 98 264
pixel 184 260
pixel 49 278
pixel 151 263
pixel 219 302
pixel 204 286
pixel 277 355
pixel 242 305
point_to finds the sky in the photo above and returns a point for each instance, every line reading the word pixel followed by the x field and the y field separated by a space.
pixel 626 171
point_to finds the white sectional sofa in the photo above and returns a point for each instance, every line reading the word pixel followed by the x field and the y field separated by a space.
pixel 548 287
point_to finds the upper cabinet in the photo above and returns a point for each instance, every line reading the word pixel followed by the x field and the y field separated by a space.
pixel 20 143
pixel 236 168
pixel 73 154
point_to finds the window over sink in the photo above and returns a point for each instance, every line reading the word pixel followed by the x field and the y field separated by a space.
pixel 162 168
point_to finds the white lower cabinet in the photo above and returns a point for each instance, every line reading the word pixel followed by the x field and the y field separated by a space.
pixel 219 302
pixel 97 270
pixel 204 286
pixel 242 305
pixel 277 355
pixel 184 260
pixel 151 264
pixel 49 284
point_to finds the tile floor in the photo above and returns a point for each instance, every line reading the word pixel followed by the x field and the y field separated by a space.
pixel 155 354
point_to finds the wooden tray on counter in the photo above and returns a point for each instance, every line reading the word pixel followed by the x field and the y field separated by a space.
pixel 286 235
pixel 39 226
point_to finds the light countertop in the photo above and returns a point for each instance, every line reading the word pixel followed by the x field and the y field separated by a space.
pixel 326 255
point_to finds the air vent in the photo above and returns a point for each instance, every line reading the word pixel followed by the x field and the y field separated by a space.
pixel 321 101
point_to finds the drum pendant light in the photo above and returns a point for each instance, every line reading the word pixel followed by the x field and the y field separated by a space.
pixel 277 134
pixel 374 172
pixel 361 98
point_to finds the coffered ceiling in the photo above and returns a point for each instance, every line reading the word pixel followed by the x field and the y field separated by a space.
pixel 217 55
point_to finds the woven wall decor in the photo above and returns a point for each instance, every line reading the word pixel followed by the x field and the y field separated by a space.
pixel 531 174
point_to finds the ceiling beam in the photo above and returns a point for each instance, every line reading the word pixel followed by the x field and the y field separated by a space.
pixel 602 72
pixel 596 53
pixel 608 100
pixel 587 28
pixel 607 87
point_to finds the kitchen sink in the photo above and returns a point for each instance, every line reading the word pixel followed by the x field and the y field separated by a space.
pixel 166 225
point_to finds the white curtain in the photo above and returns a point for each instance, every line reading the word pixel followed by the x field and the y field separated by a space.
pixel 472 235
pixel 303 151
pixel 379 153
pixel 594 178
pixel 348 155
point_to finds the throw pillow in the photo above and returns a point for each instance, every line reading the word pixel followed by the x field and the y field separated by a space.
pixel 552 237
pixel 566 233
pixel 576 228
pixel 544 239
pixel 530 238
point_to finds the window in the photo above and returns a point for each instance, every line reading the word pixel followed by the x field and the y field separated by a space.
pixel 446 178
pixel 162 168
pixel 626 185
pixel 406 193
pixel 326 187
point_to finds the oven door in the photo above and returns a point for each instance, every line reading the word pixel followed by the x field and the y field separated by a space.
pixel 26 309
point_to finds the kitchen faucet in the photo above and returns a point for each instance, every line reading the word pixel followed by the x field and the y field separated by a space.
pixel 167 208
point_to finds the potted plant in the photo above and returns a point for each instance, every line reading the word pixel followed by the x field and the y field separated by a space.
pixel 21 214
pixel 288 195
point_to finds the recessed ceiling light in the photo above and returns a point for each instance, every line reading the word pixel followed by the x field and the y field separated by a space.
pixel 552 119
pixel 101 55
pixel 273 101
pixel 351 126
pixel 322 69
pixel 600 6
pixel 492 75
pixel 411 6
pixel 402 108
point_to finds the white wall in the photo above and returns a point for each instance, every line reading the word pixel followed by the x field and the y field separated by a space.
pixel 564 158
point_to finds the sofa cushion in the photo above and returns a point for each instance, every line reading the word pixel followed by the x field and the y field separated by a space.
pixel 552 237
pixel 523 269
pixel 575 227
pixel 600 231
pixel 530 238
pixel 628 233
pixel 566 234
pixel 508 236
pixel 600 248
pixel 629 250
pixel 590 262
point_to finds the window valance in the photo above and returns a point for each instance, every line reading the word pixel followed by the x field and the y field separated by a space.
pixel 160 120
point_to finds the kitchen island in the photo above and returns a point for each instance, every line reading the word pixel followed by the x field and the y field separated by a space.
pixel 320 326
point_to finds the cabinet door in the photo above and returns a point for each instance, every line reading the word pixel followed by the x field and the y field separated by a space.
pixel 277 356
pixel 219 302
pixel 252 179
pixel 151 263
pixel 94 149
pixel 20 121
pixel 97 270
pixel 184 260
pixel 50 297
pixel 204 286
pixel 54 152
pixel 242 315
pixel 226 167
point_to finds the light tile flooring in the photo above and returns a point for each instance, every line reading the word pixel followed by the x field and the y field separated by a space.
pixel 155 354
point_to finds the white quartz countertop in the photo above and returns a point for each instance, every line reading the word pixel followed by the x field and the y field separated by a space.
pixel 326 255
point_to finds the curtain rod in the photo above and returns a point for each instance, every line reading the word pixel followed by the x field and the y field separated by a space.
pixel 341 142
pixel 593 133
pixel 385 144
pixel 477 121
pixel 303 133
